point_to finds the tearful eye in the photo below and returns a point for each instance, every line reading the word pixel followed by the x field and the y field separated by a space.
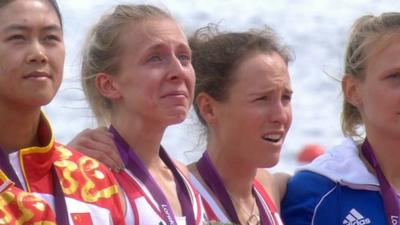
pixel 394 76
pixel 184 58
pixel 287 98
pixel 262 98
pixel 154 58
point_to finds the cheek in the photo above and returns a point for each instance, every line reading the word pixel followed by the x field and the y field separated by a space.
pixel 10 63
pixel 251 119
pixel 371 101
pixel 289 116
pixel 4 82
pixel 226 116
pixel 4 68
pixel 58 59
pixel 56 62
pixel 148 89
pixel 191 80
pixel 60 71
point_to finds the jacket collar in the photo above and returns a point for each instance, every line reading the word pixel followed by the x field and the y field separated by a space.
pixel 343 164
pixel 5 183
pixel 36 161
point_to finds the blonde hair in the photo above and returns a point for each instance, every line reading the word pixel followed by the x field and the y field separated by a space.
pixel 367 36
pixel 101 49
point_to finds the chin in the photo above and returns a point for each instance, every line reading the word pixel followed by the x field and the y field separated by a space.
pixel 269 164
pixel 178 114
pixel 43 97
pixel 38 102
pixel 270 161
pixel 176 119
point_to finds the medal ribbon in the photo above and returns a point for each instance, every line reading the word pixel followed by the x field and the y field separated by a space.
pixel 389 195
pixel 214 182
pixel 136 166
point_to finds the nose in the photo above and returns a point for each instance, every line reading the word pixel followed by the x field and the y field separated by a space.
pixel 177 70
pixel 37 53
pixel 280 113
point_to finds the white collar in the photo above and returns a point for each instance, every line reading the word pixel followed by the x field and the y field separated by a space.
pixel 343 164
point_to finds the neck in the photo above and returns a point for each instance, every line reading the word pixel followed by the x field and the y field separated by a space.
pixel 238 181
pixel 18 128
pixel 143 139
pixel 387 155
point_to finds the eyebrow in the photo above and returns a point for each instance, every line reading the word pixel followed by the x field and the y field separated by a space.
pixel 269 90
pixel 289 90
pixel 19 27
pixel 161 45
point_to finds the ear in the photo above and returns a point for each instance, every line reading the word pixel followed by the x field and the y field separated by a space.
pixel 206 105
pixel 107 86
pixel 350 87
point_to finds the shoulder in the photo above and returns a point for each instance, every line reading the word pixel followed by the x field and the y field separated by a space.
pixel 311 198
pixel 16 200
pixel 85 174
pixel 343 164
pixel 305 193
pixel 89 181
pixel 271 184
pixel 13 200
pixel 305 183
pixel 67 156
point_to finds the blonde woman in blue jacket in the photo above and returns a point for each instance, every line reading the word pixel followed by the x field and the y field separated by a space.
pixel 358 182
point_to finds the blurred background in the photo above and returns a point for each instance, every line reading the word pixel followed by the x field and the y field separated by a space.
pixel 315 30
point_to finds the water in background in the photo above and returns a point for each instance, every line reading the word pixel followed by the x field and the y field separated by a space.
pixel 316 30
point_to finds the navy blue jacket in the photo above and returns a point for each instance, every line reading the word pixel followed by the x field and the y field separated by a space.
pixel 335 189
pixel 315 199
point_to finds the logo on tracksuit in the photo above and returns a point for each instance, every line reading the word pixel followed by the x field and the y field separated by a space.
pixel 355 218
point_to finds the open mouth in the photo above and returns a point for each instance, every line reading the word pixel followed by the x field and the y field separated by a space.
pixel 273 137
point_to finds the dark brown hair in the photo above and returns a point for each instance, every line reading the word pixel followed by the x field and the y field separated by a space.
pixel 53 3
pixel 215 55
